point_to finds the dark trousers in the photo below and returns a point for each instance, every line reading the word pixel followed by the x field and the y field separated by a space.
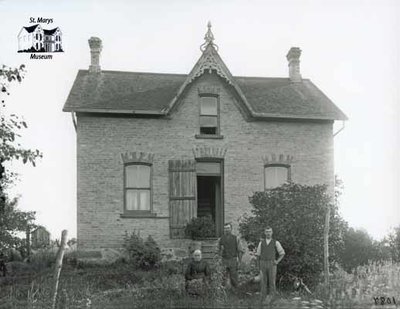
pixel 268 278
pixel 231 270
pixel 3 268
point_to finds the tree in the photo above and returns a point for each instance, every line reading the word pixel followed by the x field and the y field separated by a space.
pixel 12 220
pixel 394 244
pixel 358 249
pixel 297 215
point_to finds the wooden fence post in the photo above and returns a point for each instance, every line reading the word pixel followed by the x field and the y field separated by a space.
pixel 57 268
pixel 28 243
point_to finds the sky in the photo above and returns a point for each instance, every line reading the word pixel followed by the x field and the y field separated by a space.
pixel 350 50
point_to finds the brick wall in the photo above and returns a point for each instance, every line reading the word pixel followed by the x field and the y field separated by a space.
pixel 101 140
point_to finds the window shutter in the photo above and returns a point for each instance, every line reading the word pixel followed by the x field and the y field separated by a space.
pixel 182 195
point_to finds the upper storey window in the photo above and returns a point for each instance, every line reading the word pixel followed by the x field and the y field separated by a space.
pixel 209 115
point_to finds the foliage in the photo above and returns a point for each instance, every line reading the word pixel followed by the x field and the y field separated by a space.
pixel 217 287
pixel 117 286
pixel 12 220
pixel 358 289
pixel 394 244
pixel 72 242
pixel 10 125
pixel 201 227
pixel 297 215
pixel 42 259
pixel 143 254
pixel 360 249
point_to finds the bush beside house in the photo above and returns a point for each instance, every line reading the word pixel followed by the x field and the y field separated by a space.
pixel 144 254
pixel 296 213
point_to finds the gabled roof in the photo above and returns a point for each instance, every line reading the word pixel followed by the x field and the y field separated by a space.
pixel 157 94
pixel 126 92
pixel 50 32
pixel 31 28
pixel 152 93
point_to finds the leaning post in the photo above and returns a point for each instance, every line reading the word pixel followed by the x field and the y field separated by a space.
pixel 58 266
pixel 28 243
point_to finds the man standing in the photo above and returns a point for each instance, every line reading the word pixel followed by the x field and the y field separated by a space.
pixel 267 251
pixel 231 251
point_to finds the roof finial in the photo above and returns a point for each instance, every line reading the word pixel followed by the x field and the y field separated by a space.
pixel 209 38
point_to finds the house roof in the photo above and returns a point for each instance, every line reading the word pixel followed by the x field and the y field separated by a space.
pixel 157 94
pixel 151 93
pixel 50 32
pixel 31 28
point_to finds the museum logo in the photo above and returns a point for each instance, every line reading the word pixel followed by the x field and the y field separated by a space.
pixel 38 41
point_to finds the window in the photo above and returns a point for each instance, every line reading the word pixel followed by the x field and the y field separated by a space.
pixel 137 188
pixel 275 175
pixel 209 115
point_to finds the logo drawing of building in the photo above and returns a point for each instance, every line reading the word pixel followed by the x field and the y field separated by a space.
pixel 37 39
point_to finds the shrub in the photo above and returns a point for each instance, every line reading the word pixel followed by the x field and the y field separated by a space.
pixel 202 227
pixel 14 255
pixel 360 248
pixel 142 254
pixel 297 215
pixel 43 259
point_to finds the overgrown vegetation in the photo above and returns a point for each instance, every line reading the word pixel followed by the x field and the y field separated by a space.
pixel 144 254
pixel 201 227
pixel 117 285
pixel 12 220
pixel 296 213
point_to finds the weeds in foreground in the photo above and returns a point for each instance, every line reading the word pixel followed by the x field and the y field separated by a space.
pixel 364 285
pixel 119 286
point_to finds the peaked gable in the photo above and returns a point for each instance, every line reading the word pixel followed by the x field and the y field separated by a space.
pixel 30 29
pixel 209 62
pixel 50 31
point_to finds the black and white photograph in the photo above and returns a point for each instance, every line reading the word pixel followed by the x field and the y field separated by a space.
pixel 199 154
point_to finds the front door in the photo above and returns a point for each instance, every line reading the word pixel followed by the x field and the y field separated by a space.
pixel 210 192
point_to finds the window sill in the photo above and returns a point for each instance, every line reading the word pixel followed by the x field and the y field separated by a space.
pixel 209 136
pixel 139 214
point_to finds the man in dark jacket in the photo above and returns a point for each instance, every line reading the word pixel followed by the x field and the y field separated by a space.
pixel 197 275
pixel 270 253
pixel 231 251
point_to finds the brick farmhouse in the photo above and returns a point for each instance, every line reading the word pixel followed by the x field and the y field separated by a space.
pixel 155 150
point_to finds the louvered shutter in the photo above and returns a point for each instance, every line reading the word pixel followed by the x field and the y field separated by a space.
pixel 182 195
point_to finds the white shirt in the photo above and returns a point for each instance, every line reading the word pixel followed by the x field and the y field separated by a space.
pixel 278 247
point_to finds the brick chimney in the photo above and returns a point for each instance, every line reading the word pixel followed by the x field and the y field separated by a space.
pixel 95 50
pixel 293 57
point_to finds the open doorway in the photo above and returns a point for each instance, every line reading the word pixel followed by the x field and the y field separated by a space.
pixel 209 193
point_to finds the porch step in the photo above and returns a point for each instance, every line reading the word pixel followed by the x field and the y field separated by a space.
pixel 209 249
